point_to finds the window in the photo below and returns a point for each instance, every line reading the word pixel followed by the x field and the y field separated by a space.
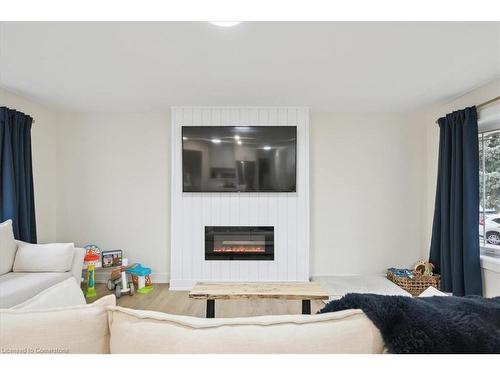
pixel 489 185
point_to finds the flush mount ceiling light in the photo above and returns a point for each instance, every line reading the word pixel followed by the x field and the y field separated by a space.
pixel 216 140
pixel 225 23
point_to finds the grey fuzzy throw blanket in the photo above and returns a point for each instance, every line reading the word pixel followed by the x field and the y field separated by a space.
pixel 432 324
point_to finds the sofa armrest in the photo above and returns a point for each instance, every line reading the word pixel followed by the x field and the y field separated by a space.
pixel 76 268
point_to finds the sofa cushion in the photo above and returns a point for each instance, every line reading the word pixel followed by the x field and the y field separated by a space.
pixel 76 329
pixel 51 257
pixel 136 331
pixel 65 293
pixel 431 292
pixel 19 287
pixel 339 286
pixel 8 247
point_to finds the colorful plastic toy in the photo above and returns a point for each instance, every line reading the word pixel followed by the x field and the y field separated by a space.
pixel 119 283
pixel 92 256
pixel 141 276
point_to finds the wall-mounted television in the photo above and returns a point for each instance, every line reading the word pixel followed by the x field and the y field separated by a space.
pixel 239 158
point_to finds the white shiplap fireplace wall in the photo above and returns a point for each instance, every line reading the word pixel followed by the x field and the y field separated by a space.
pixel 287 212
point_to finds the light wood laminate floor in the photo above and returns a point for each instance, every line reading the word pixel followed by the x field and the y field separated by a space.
pixel 179 303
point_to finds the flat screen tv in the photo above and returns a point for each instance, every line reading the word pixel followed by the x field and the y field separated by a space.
pixel 239 158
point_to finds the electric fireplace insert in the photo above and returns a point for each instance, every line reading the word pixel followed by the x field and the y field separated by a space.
pixel 239 243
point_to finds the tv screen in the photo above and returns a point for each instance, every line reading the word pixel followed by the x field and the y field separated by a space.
pixel 239 158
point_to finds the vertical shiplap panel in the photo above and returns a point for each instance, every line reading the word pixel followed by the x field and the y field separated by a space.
pixel 303 195
pixel 292 213
pixel 196 215
pixel 225 200
pixel 173 193
pixel 235 274
pixel 301 167
pixel 281 232
pixel 234 119
pixel 180 203
pixel 204 214
pixel 215 198
pixel 288 213
pixel 273 218
pixel 273 205
pixel 197 117
pixel 194 202
pixel 263 201
pixel 253 199
pixel 303 198
pixel 307 198
pixel 176 256
pixel 226 117
pixel 187 208
pixel 244 202
pixel 207 221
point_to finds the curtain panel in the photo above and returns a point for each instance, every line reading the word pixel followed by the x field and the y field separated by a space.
pixel 455 235
pixel 17 200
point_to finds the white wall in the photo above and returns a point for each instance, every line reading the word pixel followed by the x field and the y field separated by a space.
pixel 367 184
pixel 372 186
pixel 113 184
pixel 43 144
pixel 367 188
pixel 372 183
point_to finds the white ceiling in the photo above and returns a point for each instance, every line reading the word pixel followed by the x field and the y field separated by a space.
pixel 328 66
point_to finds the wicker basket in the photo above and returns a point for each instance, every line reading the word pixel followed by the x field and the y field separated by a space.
pixel 416 285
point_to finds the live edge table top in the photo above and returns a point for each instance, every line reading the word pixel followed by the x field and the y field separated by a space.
pixel 275 290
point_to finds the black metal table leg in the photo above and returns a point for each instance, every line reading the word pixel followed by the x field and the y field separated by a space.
pixel 210 308
pixel 306 306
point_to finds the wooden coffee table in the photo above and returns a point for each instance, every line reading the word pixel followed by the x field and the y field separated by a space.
pixel 304 291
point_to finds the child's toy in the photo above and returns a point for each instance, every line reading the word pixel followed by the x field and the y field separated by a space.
pixel 141 276
pixel 119 282
pixel 92 256
pixel 423 268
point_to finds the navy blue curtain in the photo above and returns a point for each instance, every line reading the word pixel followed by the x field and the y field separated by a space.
pixel 455 234
pixel 17 200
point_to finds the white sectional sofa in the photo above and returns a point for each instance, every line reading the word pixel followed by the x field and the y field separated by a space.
pixel 25 273
pixel 58 321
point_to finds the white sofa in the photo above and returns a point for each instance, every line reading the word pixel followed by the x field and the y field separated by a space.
pixel 58 321
pixel 17 287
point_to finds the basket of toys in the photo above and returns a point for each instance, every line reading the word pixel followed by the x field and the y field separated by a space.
pixel 417 280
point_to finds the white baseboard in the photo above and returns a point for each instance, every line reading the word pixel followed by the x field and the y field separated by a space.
pixel 337 275
pixel 182 285
pixel 158 278
pixel 161 278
